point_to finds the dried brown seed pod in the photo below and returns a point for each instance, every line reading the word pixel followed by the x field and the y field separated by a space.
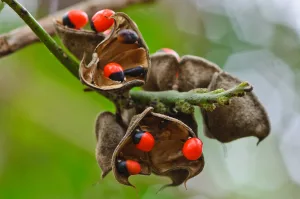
pixel 80 41
pixel 193 72
pixel 166 156
pixel 109 134
pixel 245 116
pixel 111 50
pixel 162 73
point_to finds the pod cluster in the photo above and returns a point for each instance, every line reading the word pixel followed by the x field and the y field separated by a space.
pixel 139 140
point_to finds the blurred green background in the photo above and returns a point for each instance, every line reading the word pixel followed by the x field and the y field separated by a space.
pixel 47 139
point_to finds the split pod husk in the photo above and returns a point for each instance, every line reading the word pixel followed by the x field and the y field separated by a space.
pixel 111 50
pixel 166 158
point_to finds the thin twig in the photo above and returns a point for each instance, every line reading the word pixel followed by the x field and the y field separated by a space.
pixel 23 36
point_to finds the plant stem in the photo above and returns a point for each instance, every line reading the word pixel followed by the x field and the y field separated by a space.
pixel 170 98
pixel 71 64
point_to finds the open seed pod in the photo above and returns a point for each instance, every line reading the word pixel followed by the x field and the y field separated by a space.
pixel 166 156
pixel 114 50
pixel 78 42
pixel 244 117
pixel 193 72
pixel 109 134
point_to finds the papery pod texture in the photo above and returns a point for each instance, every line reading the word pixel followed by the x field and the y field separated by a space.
pixel 193 72
pixel 112 50
pixel 78 42
pixel 109 133
pixel 166 158
pixel 245 116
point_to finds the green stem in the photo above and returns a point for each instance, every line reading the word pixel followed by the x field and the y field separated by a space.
pixel 172 98
pixel 71 64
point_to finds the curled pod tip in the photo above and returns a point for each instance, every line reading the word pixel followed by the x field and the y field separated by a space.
pixel 243 117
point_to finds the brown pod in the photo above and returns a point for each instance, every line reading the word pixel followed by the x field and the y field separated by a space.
pixel 110 50
pixel 244 117
pixel 162 73
pixel 109 134
pixel 167 73
pixel 166 155
pixel 78 42
pixel 195 72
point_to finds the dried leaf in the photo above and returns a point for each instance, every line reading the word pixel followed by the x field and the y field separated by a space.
pixel 109 134
pixel 245 116
pixel 78 42
pixel 166 156
pixel 112 50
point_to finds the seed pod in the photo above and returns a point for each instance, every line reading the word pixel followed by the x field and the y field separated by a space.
pixel 162 73
pixel 127 36
pixel 111 50
pixel 78 42
pixel 195 72
pixel 167 73
pixel 109 134
pixel 170 51
pixel 244 117
pixel 166 155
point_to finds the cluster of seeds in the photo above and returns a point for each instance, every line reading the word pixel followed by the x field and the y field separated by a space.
pixel 102 21
pixel 151 138
pixel 144 141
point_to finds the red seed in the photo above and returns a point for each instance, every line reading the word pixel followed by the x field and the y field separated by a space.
pixel 114 71
pixel 75 19
pixel 146 142
pixel 133 167
pixel 192 149
pixel 101 21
